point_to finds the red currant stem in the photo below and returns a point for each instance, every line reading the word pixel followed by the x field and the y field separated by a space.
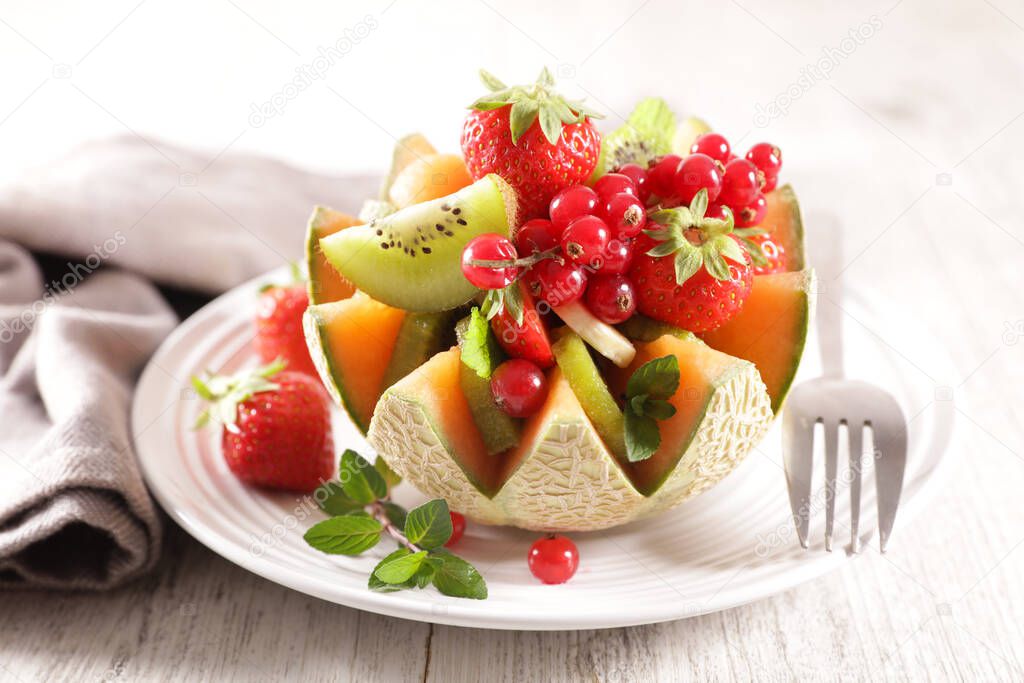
pixel 377 512
pixel 525 262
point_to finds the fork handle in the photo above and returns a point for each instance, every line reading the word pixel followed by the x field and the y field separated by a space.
pixel 828 261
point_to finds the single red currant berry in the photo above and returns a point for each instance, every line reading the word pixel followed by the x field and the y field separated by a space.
pixel 698 172
pixel 458 528
pixel 585 240
pixel 536 235
pixel 752 214
pixel 638 175
pixel 767 157
pixel 570 203
pixel 740 184
pixel 617 257
pixel 519 387
pixel 614 183
pixel 659 178
pixel 553 559
pixel 489 247
pixel 625 215
pixel 557 281
pixel 719 211
pixel 714 145
pixel 611 298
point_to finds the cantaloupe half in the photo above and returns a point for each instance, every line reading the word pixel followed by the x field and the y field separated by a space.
pixel 786 226
pixel 325 283
pixel 562 477
pixel 351 343
pixel 771 329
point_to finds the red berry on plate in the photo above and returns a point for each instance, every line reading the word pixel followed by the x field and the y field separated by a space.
pixel 625 215
pixel 458 528
pixel 489 247
pixel 571 203
pixel 712 144
pixel 553 559
pixel 277 430
pixel 614 183
pixel 740 184
pixel 557 281
pixel 279 327
pixel 585 240
pixel 519 387
pixel 638 174
pixel 659 178
pixel 611 298
pixel 536 235
pixel 767 157
pixel 753 213
pixel 695 173
pixel 519 150
pixel 617 257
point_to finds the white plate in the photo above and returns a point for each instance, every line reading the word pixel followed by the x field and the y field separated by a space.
pixel 732 545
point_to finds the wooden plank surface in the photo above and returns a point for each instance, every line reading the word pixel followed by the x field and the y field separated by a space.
pixel 916 143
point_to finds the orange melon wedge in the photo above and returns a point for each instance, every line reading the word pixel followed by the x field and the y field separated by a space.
pixel 325 283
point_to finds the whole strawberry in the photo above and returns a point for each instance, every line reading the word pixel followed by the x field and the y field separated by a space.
pixel 533 138
pixel 277 426
pixel 279 327
pixel 690 270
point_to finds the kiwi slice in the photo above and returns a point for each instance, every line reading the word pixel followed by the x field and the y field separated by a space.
pixel 646 135
pixel 590 389
pixel 643 329
pixel 499 430
pixel 410 259
pixel 420 336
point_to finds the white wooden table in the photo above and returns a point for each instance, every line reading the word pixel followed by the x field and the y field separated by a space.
pixel 916 140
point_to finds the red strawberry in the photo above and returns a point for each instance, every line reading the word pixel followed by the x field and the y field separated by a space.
pixel 277 426
pixel 691 272
pixel 533 138
pixel 768 256
pixel 279 327
pixel 528 340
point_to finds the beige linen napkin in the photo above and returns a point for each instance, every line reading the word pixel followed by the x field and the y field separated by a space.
pixel 74 512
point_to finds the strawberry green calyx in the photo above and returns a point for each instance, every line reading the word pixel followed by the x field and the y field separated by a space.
pixel 533 102
pixel 696 240
pixel 226 392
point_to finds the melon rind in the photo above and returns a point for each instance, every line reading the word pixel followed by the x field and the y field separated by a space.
pixel 320 217
pixel 567 480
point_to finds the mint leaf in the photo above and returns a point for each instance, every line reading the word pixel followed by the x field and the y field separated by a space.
pixel 396 514
pixel 430 525
pixel 658 409
pixel 333 500
pixel 391 477
pixel 478 347
pixel 346 535
pixel 457 578
pixel 642 436
pixel 399 566
pixel 375 584
pixel 658 378
pixel 360 481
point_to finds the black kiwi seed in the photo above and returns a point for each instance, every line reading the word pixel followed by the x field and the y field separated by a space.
pixel 461 221
pixel 383 245
pixel 412 253
pixel 426 250
pixel 380 232
pixel 448 233
pixel 440 228
pixel 456 211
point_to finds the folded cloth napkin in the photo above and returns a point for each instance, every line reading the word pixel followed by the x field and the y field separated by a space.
pixel 74 512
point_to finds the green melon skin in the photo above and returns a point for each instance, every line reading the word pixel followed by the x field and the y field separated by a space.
pixel 419 338
pixel 579 369
pixel 411 258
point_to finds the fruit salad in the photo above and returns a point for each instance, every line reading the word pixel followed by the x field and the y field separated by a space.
pixel 557 329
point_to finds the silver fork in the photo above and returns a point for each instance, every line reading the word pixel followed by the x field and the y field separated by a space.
pixel 833 401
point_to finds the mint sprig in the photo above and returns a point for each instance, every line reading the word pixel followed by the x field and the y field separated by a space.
pixel 478 348
pixel 647 394
pixel 363 513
